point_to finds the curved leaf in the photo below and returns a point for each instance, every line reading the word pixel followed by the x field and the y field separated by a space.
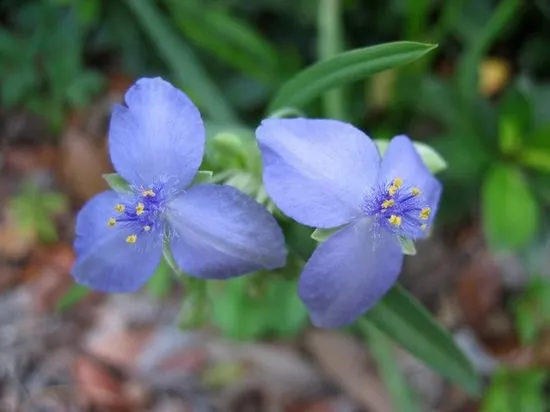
pixel 345 68
pixel 510 211
pixel 402 318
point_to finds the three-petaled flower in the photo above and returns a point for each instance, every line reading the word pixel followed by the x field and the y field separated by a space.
pixel 156 143
pixel 328 174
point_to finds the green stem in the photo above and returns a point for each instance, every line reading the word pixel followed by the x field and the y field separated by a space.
pixel 330 42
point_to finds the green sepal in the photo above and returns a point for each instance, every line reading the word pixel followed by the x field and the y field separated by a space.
pixel 320 235
pixel 407 246
pixel 203 176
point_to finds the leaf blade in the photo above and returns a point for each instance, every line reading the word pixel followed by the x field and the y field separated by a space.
pixel 344 68
pixel 182 61
pixel 401 317
pixel 509 210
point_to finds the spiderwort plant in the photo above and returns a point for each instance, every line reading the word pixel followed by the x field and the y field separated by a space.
pixel 156 143
pixel 328 174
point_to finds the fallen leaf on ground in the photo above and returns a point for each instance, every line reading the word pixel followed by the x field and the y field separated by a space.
pixel 345 361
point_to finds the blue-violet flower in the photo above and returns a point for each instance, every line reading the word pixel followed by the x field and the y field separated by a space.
pixel 328 174
pixel 156 143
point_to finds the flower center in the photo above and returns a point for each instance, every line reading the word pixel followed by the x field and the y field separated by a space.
pixel 141 211
pixel 398 207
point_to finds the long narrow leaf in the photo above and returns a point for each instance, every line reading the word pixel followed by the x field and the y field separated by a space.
pixel 402 318
pixel 182 61
pixel 345 68
pixel 230 39
pixel 388 368
pixel 469 64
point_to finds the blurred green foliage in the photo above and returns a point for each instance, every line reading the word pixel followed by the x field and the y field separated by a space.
pixel 512 391
pixel 34 211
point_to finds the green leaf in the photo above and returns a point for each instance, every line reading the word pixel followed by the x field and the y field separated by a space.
pixel 403 319
pixel 253 307
pixel 203 176
pixel 74 295
pixel 510 212
pixel 513 391
pixel 196 308
pixel 532 310
pixel 232 40
pixel 537 159
pixel 237 314
pixel 214 128
pixel 515 121
pixel 536 154
pixel 183 63
pixel 389 369
pixel 345 68
pixel 160 284
pixel 432 159
pixel 407 246
pixel 117 182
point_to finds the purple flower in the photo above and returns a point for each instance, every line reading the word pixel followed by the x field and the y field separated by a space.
pixel 157 143
pixel 327 174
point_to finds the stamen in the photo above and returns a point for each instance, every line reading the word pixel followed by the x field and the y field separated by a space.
pixel 388 203
pixel 120 208
pixel 111 222
pixel 148 192
pixel 140 208
pixel 131 239
pixel 415 191
pixel 395 220
pixel 397 182
pixel 425 213
pixel 147 228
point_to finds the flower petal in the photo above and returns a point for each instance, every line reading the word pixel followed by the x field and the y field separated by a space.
pixel 402 160
pixel 317 170
pixel 159 134
pixel 105 261
pixel 349 273
pixel 220 232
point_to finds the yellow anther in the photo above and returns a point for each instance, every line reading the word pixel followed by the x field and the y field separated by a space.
pixel 392 190
pixel 120 208
pixel 148 192
pixel 131 239
pixel 425 213
pixel 140 208
pixel 395 220
pixel 423 227
pixel 397 182
pixel 111 222
pixel 147 228
pixel 415 191
pixel 388 203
